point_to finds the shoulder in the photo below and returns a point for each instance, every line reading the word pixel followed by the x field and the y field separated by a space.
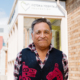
pixel 56 50
pixel 19 54
pixel 64 56
pixel 25 49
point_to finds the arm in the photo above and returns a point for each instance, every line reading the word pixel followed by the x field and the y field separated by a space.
pixel 65 66
pixel 17 65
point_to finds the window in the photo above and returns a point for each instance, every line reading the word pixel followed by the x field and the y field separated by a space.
pixel 30 37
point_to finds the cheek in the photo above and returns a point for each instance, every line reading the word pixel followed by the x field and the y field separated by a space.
pixel 50 36
pixel 35 37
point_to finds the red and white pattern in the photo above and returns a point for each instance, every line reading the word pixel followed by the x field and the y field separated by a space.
pixel 32 48
pixel 55 73
pixel 27 72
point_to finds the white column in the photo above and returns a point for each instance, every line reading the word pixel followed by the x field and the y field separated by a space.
pixel 64 36
pixel 8 77
pixel 20 32
pixel 12 70
pixel 16 41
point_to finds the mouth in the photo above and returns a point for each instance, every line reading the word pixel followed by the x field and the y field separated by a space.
pixel 42 41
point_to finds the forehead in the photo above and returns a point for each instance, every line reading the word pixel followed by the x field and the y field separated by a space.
pixel 41 26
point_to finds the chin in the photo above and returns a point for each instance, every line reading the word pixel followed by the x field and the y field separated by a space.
pixel 43 45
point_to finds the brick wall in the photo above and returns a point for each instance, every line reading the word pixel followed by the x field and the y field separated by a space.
pixel 73 10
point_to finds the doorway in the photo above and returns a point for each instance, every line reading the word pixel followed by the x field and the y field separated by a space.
pixel 56 32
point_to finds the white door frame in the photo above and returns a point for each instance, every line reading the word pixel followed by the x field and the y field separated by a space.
pixel 63 26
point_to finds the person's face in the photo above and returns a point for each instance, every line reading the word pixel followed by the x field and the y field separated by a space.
pixel 42 35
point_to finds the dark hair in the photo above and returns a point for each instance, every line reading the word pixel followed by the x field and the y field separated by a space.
pixel 39 21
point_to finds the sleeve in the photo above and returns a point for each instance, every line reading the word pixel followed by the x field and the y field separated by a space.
pixel 17 65
pixel 65 66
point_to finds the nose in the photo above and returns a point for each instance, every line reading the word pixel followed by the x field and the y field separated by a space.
pixel 42 34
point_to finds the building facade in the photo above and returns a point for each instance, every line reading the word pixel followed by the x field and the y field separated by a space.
pixel 64 16
pixel 3 52
pixel 73 18
pixel 23 14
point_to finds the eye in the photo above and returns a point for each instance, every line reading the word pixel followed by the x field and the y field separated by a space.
pixel 38 32
pixel 47 32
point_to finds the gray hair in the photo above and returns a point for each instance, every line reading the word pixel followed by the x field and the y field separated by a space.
pixel 39 21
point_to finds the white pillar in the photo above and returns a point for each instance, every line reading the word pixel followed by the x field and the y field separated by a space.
pixel 64 36
pixel 12 69
pixel 20 32
pixel 16 40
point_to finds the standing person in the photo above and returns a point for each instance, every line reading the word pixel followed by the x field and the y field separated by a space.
pixel 41 61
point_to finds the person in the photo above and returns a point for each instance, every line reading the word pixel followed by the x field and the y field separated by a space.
pixel 41 61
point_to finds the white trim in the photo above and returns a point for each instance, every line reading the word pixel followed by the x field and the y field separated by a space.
pixel 64 38
pixel 20 32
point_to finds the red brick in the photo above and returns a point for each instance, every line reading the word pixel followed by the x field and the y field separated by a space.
pixel 73 18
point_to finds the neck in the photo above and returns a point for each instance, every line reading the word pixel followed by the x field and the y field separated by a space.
pixel 42 52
